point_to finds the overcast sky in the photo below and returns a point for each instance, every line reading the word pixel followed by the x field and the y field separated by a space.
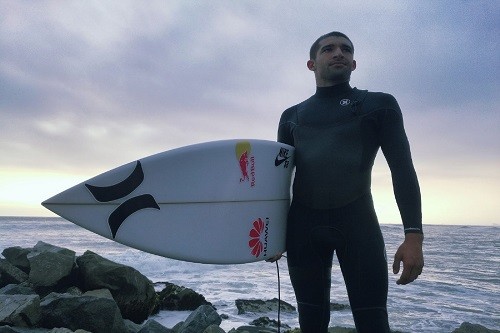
pixel 86 86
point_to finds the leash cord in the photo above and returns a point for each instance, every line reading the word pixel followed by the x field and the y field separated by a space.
pixel 279 297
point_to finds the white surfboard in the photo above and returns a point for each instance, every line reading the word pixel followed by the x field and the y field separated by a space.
pixel 222 202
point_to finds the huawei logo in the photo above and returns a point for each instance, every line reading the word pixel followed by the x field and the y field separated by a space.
pixel 258 237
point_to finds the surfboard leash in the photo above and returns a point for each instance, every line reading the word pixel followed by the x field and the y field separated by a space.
pixel 279 296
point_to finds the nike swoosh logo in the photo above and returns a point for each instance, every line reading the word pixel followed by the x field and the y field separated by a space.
pixel 279 161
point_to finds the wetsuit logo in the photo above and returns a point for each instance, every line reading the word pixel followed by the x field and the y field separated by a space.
pixel 345 102
pixel 121 190
pixel 246 162
pixel 258 237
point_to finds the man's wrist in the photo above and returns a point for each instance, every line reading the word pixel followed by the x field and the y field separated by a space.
pixel 414 237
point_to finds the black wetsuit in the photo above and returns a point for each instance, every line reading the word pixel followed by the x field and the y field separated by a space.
pixel 337 133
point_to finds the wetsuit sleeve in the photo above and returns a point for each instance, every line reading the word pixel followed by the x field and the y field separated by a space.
pixel 396 149
pixel 286 125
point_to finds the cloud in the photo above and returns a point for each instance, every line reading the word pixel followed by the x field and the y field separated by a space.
pixel 93 84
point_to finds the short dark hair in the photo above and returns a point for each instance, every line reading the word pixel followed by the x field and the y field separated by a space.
pixel 315 46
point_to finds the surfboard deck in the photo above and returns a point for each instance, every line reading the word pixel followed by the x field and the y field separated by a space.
pixel 221 202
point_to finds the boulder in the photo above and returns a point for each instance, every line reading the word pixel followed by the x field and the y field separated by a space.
pixel 338 329
pixel 473 328
pixel 214 329
pixel 20 310
pixel 74 290
pixel 18 257
pixel 17 289
pixel 339 307
pixel 131 327
pixel 11 329
pixel 46 247
pixel 94 314
pixel 178 298
pixel 49 268
pixel 10 274
pixel 132 291
pixel 255 329
pixel 152 326
pixel 266 322
pixel 200 319
pixel 260 306
pixel 105 293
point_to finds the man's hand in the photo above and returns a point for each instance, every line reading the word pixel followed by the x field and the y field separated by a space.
pixel 410 253
pixel 275 257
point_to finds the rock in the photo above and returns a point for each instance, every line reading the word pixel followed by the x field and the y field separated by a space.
pixel 94 314
pixel 10 274
pixel 62 330
pixel 338 329
pixel 18 257
pixel 131 327
pixel 255 329
pixel 41 247
pixel 339 307
pixel 105 293
pixel 20 310
pixel 17 289
pixel 74 290
pixel 473 328
pixel 259 306
pixel 295 330
pixel 9 329
pixel 177 327
pixel 200 319
pixel 152 326
pixel 267 323
pixel 50 268
pixel 178 298
pixel 214 329
pixel 50 264
pixel 132 291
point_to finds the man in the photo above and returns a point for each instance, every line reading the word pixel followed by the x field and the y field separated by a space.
pixel 337 133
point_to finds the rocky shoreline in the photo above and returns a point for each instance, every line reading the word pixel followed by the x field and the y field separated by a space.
pixel 49 289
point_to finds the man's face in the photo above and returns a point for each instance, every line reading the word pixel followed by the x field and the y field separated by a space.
pixel 334 61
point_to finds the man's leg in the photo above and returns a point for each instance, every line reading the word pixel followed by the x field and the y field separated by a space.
pixel 364 267
pixel 312 290
pixel 310 270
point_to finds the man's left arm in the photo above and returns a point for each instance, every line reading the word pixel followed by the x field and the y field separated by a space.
pixel 396 150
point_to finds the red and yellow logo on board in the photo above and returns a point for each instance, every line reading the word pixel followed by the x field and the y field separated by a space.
pixel 246 162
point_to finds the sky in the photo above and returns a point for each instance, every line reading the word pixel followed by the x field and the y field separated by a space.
pixel 86 86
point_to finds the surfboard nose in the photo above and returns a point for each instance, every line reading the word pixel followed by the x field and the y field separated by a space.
pixel 54 200
pixel 58 202
pixel 48 202
pixel 52 204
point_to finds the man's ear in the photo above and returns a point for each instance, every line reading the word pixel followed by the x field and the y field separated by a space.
pixel 353 64
pixel 311 65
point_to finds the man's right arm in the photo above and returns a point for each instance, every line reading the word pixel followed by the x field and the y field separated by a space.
pixel 285 127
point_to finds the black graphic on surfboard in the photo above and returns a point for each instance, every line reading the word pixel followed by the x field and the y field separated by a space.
pixel 282 157
pixel 121 190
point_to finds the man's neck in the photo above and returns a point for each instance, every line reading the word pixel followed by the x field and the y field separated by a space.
pixel 322 83
pixel 335 90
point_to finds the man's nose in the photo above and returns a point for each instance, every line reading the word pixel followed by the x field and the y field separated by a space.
pixel 337 53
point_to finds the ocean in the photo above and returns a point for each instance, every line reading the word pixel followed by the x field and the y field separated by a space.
pixel 460 281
